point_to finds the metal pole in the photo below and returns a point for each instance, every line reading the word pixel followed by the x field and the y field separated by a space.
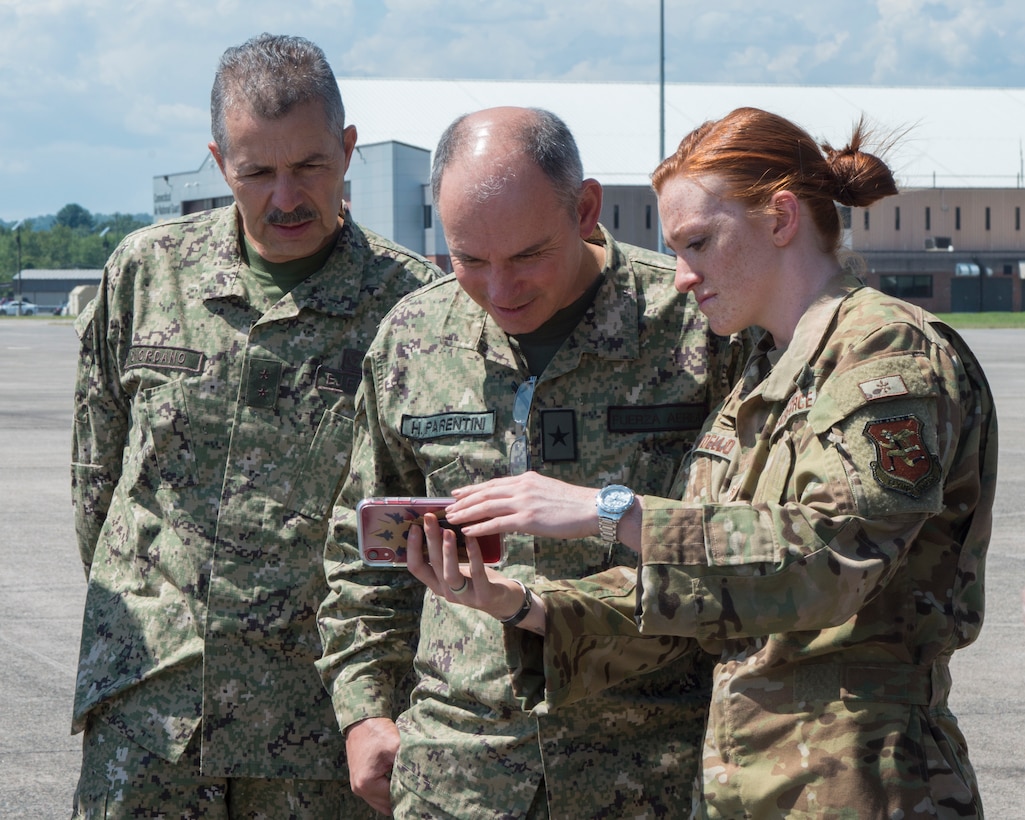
pixel 661 104
pixel 17 244
pixel 661 80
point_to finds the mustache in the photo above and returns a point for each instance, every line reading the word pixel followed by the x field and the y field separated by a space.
pixel 300 214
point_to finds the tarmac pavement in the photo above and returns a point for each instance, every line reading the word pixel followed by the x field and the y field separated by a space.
pixel 42 585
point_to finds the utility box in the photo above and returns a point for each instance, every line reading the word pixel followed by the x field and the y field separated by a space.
pixel 79 297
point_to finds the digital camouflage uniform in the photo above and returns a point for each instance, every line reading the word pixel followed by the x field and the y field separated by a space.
pixel 212 434
pixel 830 547
pixel 621 401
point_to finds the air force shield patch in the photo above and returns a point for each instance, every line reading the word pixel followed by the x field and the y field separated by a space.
pixel 903 462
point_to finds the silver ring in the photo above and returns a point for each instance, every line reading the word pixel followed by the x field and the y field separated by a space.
pixel 461 589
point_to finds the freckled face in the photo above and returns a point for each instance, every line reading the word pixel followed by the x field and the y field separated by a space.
pixel 722 253
pixel 519 253
pixel 288 179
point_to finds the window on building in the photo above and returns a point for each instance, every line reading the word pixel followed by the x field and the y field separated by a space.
pixel 987 217
pixel 845 216
pixel 615 217
pixel 1008 269
pixel 866 219
pixel 647 217
pixel 957 218
pixel 428 217
pixel 1017 217
pixel 928 218
pixel 194 206
pixel 907 286
pixel 896 218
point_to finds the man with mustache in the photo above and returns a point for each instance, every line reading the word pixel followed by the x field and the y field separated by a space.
pixel 213 406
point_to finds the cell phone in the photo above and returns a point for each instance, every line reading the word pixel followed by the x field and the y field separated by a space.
pixel 382 527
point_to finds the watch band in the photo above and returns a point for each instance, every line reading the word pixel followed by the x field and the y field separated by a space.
pixel 607 529
pixel 524 610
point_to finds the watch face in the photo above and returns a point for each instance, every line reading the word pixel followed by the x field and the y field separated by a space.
pixel 616 499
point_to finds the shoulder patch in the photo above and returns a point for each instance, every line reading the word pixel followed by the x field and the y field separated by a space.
pixel 903 464
pixel 877 380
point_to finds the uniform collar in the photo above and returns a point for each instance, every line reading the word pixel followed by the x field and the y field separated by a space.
pixel 794 366
pixel 335 289
pixel 613 317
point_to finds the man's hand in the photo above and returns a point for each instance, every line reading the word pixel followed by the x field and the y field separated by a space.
pixel 371 746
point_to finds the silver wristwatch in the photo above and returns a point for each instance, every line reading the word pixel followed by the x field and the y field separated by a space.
pixel 612 502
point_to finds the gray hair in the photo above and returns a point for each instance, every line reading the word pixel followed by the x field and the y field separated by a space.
pixel 543 138
pixel 270 75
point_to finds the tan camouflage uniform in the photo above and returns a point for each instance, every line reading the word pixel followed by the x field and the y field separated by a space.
pixel 621 401
pixel 831 547
pixel 211 437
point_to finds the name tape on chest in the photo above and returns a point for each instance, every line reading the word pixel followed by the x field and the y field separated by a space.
pixel 716 444
pixel 157 357
pixel 656 418
pixel 440 425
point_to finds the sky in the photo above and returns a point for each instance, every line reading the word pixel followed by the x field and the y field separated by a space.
pixel 99 96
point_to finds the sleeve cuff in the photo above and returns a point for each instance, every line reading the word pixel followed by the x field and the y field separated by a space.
pixel 360 700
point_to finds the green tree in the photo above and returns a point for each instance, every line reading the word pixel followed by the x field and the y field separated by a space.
pixel 75 217
pixel 120 225
pixel 64 245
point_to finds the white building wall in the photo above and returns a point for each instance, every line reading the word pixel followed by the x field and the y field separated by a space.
pixel 386 180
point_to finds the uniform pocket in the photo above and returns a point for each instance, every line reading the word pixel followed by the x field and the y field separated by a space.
pixel 325 467
pixel 652 473
pixel 164 424
pixel 456 473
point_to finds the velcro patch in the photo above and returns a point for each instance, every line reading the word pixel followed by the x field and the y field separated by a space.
pixel 801 402
pixel 337 381
pixel 558 435
pixel 164 358
pixel 334 380
pixel 656 418
pixel 345 380
pixel 474 425
pixel 883 388
pixel 903 465
pixel 262 382
pixel 716 444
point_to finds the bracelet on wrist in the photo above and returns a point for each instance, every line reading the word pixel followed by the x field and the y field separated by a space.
pixel 524 610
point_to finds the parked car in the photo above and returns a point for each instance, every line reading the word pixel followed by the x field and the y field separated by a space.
pixel 61 310
pixel 11 308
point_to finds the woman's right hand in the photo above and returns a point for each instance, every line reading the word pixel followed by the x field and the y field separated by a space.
pixel 530 503
pixel 473 585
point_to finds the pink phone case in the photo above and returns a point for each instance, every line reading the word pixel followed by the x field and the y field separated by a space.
pixel 383 527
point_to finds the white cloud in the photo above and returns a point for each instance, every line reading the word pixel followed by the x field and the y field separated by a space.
pixel 118 90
